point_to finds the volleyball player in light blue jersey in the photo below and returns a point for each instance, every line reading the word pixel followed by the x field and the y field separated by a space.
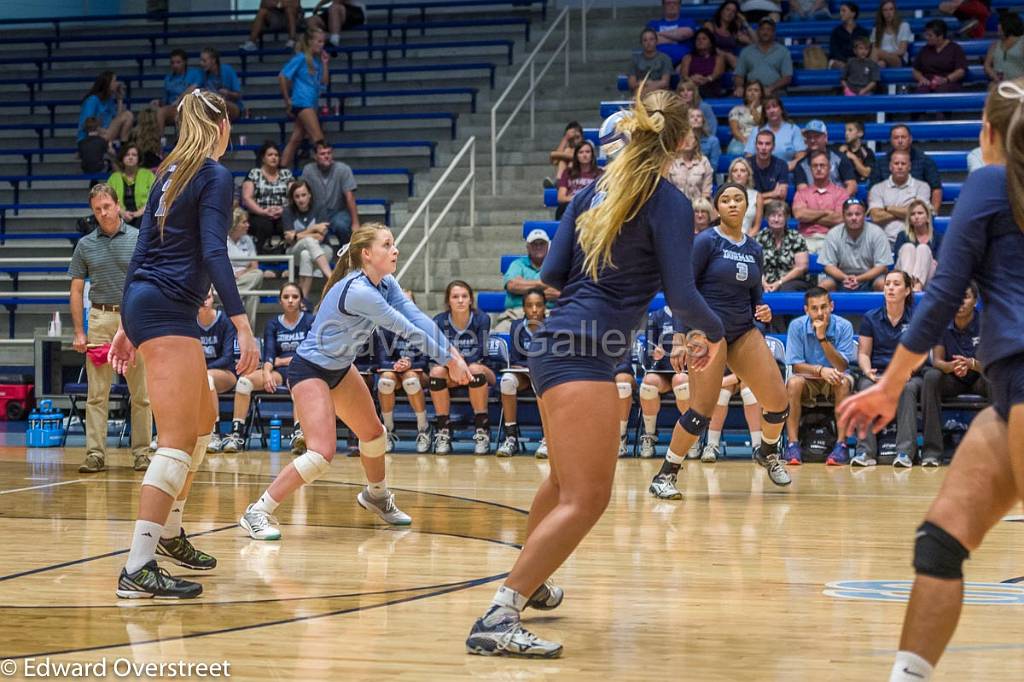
pixel 361 295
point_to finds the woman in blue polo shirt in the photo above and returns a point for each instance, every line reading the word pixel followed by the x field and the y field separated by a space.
pixel 302 79
pixel 105 101
pixel 880 331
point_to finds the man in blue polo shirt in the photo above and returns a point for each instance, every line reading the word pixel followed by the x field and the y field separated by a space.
pixel 223 80
pixel 675 33
pixel 820 349
pixel 180 80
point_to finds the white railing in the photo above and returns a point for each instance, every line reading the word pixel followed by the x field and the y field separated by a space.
pixel 429 227
pixel 529 65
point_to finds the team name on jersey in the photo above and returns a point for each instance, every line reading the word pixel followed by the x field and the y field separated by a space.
pixel 210 343
pixel 287 342
pixel 737 256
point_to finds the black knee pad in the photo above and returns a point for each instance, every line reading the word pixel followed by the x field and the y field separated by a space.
pixel 694 422
pixel 938 554
pixel 477 381
pixel 437 384
pixel 776 417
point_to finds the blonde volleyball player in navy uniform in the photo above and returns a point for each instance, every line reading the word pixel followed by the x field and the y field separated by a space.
pixel 361 295
pixel 182 248
pixel 601 260
pixel 727 266
pixel 985 243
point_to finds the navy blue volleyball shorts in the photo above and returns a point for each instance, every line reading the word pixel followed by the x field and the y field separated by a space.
pixel 300 369
pixel 1006 384
pixel 147 313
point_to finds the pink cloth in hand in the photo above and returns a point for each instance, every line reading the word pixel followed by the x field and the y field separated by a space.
pixel 98 355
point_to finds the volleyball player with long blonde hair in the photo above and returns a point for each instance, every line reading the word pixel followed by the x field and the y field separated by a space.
pixel 600 260
pixel 182 249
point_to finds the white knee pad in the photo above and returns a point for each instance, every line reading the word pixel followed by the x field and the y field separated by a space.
pixel 682 391
pixel 748 396
pixel 167 470
pixel 209 380
pixel 723 397
pixel 648 392
pixel 411 385
pixel 625 389
pixel 199 454
pixel 311 465
pixel 373 448
pixel 386 385
pixel 244 386
pixel 509 384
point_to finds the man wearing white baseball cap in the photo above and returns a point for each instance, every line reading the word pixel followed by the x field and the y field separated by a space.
pixel 841 170
pixel 524 274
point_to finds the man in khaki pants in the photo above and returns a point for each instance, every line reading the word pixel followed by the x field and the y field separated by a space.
pixel 103 256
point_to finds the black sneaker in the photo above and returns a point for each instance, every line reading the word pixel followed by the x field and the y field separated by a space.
pixel 180 551
pixel 151 581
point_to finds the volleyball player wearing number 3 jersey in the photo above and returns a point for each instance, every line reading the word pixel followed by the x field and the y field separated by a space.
pixel 182 248
pixel 600 260
pixel 984 242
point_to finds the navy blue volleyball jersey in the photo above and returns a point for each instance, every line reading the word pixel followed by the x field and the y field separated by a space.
pixel 660 328
pixel 280 340
pixel 728 275
pixel 219 342
pixel 391 348
pixel 652 251
pixel 471 341
pixel 519 340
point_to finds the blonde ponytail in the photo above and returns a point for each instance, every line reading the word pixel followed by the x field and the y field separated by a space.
pixel 1004 111
pixel 658 123
pixel 350 256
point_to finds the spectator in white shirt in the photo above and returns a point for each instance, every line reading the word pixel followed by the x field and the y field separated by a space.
pixel 248 276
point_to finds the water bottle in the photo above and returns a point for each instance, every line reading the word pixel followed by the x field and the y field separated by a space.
pixel 32 435
pixel 275 434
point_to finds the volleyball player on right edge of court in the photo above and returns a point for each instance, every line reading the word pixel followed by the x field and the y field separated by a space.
pixel 984 241
pixel 600 260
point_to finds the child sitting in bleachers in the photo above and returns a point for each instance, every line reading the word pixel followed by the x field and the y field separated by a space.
pixel 93 149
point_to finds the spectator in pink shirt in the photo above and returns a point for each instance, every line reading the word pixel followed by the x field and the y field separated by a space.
pixel 818 206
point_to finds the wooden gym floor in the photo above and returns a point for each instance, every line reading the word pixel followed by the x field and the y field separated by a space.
pixel 735 582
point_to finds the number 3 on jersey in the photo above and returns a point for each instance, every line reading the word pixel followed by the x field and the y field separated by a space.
pixel 742 272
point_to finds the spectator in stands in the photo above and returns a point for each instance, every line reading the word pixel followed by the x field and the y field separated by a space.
pixel 402 365
pixel 889 200
pixel 274 16
pixel 218 337
pixel 561 156
pixel 650 64
pixel 704 65
pixel 302 80
pixel 105 101
pixel 524 274
pixel 880 331
pixel 339 15
pixel 922 167
pixel 305 231
pixel 581 172
pixel 690 94
pixel 808 10
pixel 840 169
pixel 974 160
pixel 333 186
pixel 222 79
pixel 467 329
pixel 758 10
pixel 957 375
pixel 514 383
pixel 766 61
pixel 741 173
pixel 771 174
pixel 861 74
pixel 710 147
pixel 785 252
pixel 819 205
pixel 132 184
pixel 242 252
pixel 745 118
pixel 854 149
pixel 146 137
pixel 731 30
pixel 1005 57
pixel 840 43
pixel 891 36
pixel 820 350
pixel 917 247
pixel 702 215
pixel 675 33
pixel 93 149
pixel 691 172
pixel 102 257
pixel 973 15
pixel 789 140
pixel 180 80
pixel 941 65
pixel 264 195
pixel 856 254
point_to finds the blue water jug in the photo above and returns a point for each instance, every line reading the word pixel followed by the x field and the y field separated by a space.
pixel 275 434
pixel 34 433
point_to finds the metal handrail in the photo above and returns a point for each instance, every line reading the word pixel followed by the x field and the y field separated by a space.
pixel 529 63
pixel 429 227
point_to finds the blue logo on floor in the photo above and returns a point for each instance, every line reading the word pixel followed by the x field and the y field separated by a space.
pixel 1003 594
